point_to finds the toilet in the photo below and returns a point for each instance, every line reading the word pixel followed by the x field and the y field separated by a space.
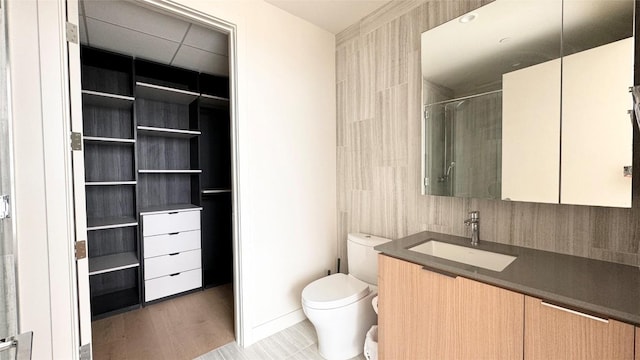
pixel 339 305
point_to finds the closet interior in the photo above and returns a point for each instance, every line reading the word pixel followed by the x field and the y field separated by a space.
pixel 157 148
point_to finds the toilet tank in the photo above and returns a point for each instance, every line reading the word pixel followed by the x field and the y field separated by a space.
pixel 363 259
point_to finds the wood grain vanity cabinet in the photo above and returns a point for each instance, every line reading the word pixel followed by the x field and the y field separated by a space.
pixel 428 315
pixel 553 332
pixel 637 343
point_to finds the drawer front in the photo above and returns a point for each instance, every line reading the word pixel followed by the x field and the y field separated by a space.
pixel 172 222
pixel 169 285
pixel 171 243
pixel 171 264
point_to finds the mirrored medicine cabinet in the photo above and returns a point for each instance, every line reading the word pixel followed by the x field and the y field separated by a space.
pixel 528 100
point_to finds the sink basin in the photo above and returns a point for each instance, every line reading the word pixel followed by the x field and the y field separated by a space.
pixel 475 257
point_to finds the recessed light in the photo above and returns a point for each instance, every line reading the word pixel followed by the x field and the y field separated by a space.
pixel 468 18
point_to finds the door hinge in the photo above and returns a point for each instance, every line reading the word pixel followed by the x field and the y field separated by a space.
pixel 72 33
pixel 5 207
pixel 81 249
pixel 426 181
pixel 85 352
pixel 76 141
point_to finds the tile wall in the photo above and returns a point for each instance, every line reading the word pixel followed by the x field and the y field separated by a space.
pixel 378 139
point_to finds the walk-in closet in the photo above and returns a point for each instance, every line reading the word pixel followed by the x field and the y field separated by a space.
pixel 158 184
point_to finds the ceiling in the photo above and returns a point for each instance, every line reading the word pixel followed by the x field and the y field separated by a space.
pixel 508 35
pixel 126 28
pixel 331 15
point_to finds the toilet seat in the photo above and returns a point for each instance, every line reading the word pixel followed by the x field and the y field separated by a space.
pixel 334 291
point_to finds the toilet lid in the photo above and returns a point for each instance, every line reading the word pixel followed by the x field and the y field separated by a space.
pixel 334 291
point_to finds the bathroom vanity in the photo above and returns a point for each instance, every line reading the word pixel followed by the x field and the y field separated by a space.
pixel 543 305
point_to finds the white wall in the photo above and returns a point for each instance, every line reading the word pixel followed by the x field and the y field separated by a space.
pixel 287 139
pixel 286 152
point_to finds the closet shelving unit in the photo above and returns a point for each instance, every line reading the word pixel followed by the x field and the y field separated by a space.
pixel 110 181
pixel 168 132
pixel 157 146
pixel 215 161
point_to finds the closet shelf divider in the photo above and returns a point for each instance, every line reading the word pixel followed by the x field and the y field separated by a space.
pixel 158 131
pixel 164 93
pixel 98 98
pixel 114 262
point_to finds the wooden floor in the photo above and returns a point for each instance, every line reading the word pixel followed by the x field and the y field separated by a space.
pixel 181 328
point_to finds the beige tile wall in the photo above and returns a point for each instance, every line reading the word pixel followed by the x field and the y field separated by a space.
pixel 378 137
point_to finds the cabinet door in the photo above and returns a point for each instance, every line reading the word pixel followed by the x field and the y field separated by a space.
pixel 596 131
pixel 531 133
pixel 417 318
pixel 427 315
pixel 638 343
pixel 554 333
pixel 490 321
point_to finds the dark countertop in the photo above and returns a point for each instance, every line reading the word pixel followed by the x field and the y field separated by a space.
pixel 598 287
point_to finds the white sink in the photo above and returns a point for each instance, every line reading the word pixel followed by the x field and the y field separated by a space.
pixel 480 258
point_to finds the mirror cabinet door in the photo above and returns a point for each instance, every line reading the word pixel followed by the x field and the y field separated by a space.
pixel 531 133
pixel 527 110
pixel 597 133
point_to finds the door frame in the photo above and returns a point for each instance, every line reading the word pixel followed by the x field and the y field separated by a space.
pixel 229 28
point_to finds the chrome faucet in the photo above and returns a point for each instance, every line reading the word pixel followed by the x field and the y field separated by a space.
pixel 474 222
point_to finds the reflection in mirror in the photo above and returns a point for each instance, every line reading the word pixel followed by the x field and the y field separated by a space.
pixel 463 62
pixel 463 136
pixel 497 101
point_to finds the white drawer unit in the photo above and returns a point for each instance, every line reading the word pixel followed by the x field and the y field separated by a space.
pixel 158 266
pixel 170 222
pixel 171 243
pixel 172 284
pixel 172 256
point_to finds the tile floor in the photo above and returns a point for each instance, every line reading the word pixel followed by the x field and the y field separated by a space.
pixel 298 342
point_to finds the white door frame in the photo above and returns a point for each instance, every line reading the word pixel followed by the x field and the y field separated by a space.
pixel 44 204
pixel 229 28
pixel 81 266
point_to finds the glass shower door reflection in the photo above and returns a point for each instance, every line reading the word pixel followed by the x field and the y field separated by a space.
pixel 463 147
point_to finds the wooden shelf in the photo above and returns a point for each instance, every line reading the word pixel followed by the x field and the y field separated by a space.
pixel 105 99
pixel 110 223
pixel 114 302
pixel 109 183
pixel 215 191
pixel 169 208
pixel 156 131
pixel 214 101
pixel 163 93
pixel 148 171
pixel 108 263
pixel 108 140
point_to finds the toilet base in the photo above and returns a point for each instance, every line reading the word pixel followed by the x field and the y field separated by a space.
pixel 342 331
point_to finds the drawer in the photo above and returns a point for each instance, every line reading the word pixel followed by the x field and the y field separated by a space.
pixel 171 243
pixel 171 264
pixel 172 222
pixel 168 285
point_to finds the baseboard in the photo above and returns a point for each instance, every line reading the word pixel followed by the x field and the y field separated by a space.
pixel 276 325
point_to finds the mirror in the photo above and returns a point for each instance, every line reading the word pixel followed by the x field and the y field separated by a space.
pixel 520 101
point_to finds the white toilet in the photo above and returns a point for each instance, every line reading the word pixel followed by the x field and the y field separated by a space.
pixel 339 305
